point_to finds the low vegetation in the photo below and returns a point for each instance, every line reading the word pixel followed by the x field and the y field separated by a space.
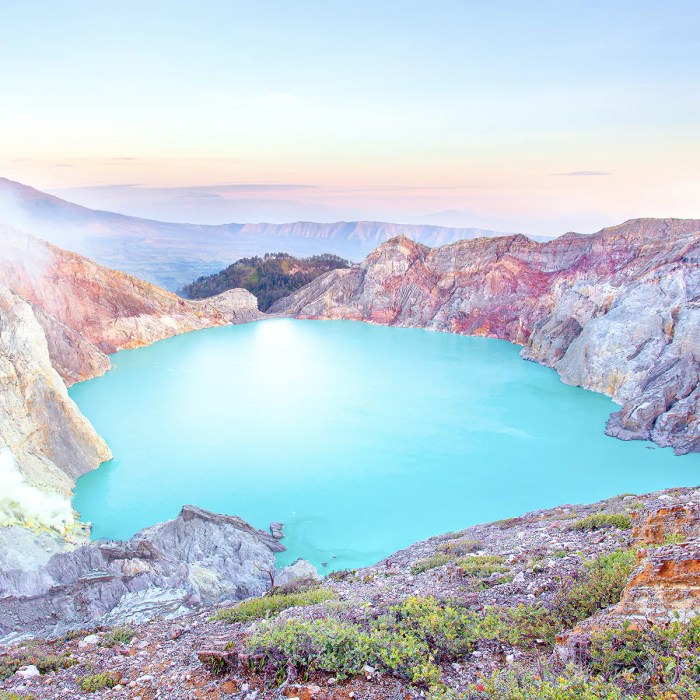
pixel 91 683
pixel 44 662
pixel 621 664
pixel 270 605
pixel 411 640
pixel 460 547
pixel 602 521
pixel 479 566
pixel 118 635
pixel 571 683
pixel 4 695
pixel 269 278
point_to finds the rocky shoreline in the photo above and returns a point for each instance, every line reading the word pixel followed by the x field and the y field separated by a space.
pixel 617 312
pixel 61 315
pixel 525 563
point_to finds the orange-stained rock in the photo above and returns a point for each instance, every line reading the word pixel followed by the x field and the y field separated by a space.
pixel 665 585
pixel 655 526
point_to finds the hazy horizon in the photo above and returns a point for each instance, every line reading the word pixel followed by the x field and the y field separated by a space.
pixel 539 119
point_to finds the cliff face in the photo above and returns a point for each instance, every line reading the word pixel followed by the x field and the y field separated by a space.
pixel 616 312
pixel 197 558
pixel 60 316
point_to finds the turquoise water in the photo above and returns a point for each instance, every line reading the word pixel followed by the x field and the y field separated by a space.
pixel 362 439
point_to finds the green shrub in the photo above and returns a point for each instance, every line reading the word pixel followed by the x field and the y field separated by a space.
pixel 324 645
pixel 98 681
pixel 270 605
pixel 657 657
pixel 599 585
pixel 4 695
pixel 602 521
pixel 479 566
pixel 460 547
pixel 570 685
pixel 432 562
pixel 408 641
pixel 44 662
pixel 118 635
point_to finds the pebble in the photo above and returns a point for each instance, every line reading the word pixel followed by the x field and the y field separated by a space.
pixel 90 640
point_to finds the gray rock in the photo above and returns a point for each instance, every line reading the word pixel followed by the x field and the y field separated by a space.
pixel 277 530
pixel 28 671
pixel 298 573
pixel 196 559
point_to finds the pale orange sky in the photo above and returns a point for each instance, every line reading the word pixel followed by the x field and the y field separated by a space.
pixel 538 118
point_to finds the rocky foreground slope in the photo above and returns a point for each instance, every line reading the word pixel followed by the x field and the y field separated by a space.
pixel 61 315
pixel 571 603
pixel 617 312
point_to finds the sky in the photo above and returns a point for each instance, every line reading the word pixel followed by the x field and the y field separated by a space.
pixel 538 116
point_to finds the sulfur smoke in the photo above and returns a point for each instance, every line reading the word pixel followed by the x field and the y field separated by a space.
pixel 21 503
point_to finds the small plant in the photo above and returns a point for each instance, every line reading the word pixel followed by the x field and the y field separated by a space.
pixel 602 521
pixel 79 633
pixel 478 566
pixel 507 523
pixel 45 663
pixel 460 547
pixel 118 635
pixel 674 538
pixel 98 681
pixel 5 695
pixel 432 562
pixel 481 566
pixel 270 605
pixel 572 684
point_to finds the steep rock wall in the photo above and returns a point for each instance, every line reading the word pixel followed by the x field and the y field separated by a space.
pixel 616 312
pixel 60 317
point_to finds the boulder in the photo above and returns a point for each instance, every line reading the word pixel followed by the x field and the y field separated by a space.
pixel 199 558
pixel 297 574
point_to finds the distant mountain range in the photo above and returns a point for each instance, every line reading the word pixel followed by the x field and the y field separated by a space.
pixel 172 254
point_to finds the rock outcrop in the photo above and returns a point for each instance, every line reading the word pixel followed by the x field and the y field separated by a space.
pixel 665 585
pixel 199 558
pixel 61 315
pixel 616 312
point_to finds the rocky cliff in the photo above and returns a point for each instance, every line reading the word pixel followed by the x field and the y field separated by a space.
pixel 616 312
pixel 197 558
pixel 60 317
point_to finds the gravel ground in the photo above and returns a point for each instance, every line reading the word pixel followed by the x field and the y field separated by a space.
pixel 540 551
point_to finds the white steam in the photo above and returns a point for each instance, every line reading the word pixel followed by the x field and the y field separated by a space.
pixel 22 504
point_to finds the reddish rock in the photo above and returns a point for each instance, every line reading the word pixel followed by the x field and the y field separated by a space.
pixel 615 312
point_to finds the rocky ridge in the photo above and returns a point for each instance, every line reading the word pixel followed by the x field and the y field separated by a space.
pixel 616 312
pixel 173 254
pixel 199 558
